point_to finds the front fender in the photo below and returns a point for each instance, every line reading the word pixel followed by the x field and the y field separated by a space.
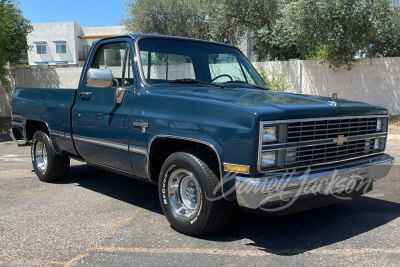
pixel 199 138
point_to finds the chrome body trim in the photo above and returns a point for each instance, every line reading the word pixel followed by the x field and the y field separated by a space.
pixel 182 138
pixel 11 133
pixel 101 142
pixel 54 132
pixel 24 131
pixel 138 150
pixel 109 144
pixel 284 145
pixel 17 124
pixel 254 192
pixel 247 166
pixel 84 69
pixel 139 61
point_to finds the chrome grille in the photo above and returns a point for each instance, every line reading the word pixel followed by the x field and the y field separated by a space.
pixel 316 154
pixel 332 128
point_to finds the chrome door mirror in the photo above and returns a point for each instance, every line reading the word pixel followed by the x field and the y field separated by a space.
pixel 102 78
pixel 119 94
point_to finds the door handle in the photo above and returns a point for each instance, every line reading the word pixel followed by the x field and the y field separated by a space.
pixel 85 95
pixel 119 94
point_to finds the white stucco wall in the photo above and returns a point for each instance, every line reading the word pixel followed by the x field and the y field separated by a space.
pixel 375 81
pixel 50 32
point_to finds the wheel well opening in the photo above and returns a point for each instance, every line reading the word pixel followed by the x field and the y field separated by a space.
pixel 32 126
pixel 162 148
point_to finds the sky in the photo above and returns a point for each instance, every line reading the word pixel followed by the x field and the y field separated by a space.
pixel 88 13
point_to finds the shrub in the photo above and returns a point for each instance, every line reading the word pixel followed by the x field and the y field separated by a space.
pixel 277 80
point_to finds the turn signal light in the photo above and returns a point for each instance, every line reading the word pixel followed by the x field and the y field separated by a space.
pixel 237 168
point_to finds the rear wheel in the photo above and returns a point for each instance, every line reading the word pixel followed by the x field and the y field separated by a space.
pixel 188 196
pixel 48 165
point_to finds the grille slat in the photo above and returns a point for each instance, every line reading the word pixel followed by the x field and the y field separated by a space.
pixel 323 129
pixel 308 157
pixel 333 152
pixel 342 128
pixel 329 129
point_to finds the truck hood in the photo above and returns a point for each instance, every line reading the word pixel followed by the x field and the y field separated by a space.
pixel 277 105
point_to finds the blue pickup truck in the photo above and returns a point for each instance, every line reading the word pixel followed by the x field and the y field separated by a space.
pixel 208 132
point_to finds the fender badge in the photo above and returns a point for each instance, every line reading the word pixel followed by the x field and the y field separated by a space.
pixel 144 125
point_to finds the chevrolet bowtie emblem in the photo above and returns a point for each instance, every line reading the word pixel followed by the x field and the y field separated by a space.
pixel 340 140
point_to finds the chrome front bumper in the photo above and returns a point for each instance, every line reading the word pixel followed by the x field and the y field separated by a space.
pixel 277 191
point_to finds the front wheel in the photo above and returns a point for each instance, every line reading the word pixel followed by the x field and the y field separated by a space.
pixel 188 195
pixel 48 165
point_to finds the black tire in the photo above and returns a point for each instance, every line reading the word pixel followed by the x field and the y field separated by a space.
pixel 211 215
pixel 57 166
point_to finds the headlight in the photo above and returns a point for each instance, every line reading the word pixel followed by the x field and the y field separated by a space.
pixel 379 125
pixel 268 159
pixel 270 134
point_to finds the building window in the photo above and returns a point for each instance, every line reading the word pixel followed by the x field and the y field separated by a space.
pixel 62 65
pixel 61 48
pixel 41 49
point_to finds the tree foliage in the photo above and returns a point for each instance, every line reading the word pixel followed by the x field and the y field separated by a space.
pixel 337 31
pixel 13 30
pixel 200 19
pixel 342 29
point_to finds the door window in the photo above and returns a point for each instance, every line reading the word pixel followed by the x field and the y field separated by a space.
pixel 111 56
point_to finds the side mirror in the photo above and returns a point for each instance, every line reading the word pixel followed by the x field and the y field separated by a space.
pixel 102 78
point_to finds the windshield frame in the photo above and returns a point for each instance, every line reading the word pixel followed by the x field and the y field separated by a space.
pixel 143 79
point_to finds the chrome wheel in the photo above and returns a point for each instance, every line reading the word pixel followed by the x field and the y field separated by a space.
pixel 184 194
pixel 41 156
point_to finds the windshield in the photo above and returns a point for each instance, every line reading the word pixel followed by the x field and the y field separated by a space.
pixel 171 62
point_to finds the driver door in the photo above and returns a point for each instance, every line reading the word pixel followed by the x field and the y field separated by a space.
pixel 101 126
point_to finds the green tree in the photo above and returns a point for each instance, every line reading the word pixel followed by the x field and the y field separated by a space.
pixel 340 30
pixel 13 30
pixel 200 19
pixel 337 31
pixel 262 17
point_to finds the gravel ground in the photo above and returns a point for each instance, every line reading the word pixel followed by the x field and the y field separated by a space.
pixel 98 218
pixel 394 124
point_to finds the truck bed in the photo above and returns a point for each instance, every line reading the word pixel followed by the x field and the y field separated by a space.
pixel 52 106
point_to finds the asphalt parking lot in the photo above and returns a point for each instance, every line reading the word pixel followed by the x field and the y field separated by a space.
pixel 98 218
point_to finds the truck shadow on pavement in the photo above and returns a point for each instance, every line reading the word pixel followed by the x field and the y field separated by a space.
pixel 281 235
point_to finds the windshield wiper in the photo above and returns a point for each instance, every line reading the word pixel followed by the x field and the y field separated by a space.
pixel 193 81
pixel 238 81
